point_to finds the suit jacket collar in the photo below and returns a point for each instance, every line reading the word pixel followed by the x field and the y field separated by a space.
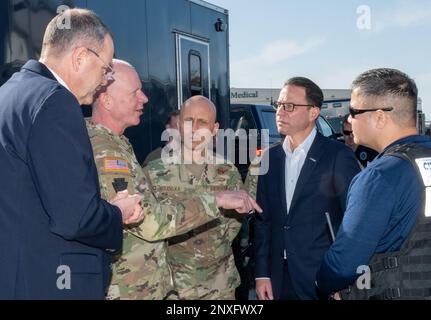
pixel 40 68
pixel 311 161
pixel 280 162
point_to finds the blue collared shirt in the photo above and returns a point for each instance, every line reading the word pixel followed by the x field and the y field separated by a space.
pixel 382 206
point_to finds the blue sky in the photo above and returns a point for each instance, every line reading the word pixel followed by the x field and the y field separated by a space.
pixel 273 40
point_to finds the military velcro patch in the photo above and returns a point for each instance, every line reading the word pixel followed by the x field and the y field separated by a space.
pixel 115 165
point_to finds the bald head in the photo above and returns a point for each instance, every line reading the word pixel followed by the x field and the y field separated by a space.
pixel 198 122
pixel 120 104
pixel 122 71
pixel 202 103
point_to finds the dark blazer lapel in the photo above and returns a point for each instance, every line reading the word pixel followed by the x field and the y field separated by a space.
pixel 40 68
pixel 280 164
pixel 310 163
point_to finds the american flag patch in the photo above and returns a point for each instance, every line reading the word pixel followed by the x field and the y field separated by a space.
pixel 116 165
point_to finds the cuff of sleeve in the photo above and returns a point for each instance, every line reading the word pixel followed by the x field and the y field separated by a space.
pixel 209 203
pixel 118 218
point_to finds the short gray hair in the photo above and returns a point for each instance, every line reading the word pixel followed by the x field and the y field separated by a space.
pixel 394 87
pixel 86 29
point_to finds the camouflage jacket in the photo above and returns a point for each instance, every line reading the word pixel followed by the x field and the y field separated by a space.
pixel 141 270
pixel 202 261
pixel 250 184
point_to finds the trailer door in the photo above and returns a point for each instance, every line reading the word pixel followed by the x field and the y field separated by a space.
pixel 193 67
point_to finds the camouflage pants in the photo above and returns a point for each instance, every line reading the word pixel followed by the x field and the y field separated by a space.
pixel 215 282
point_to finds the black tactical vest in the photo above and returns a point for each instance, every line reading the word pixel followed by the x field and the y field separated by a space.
pixel 404 274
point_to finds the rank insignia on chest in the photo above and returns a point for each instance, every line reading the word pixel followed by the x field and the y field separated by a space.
pixel 115 165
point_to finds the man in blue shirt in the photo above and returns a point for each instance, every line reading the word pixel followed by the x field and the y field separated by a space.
pixel 385 200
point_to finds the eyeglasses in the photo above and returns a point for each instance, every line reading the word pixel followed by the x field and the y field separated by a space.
pixel 353 112
pixel 347 132
pixel 108 74
pixel 290 107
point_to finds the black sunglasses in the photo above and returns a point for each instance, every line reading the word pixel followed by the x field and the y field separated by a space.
pixel 353 112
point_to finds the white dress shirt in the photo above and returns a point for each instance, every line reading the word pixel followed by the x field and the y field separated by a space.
pixel 294 163
pixel 61 81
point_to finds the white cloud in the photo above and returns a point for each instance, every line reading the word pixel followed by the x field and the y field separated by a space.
pixel 406 14
pixel 280 51
pixel 341 78
pixel 268 61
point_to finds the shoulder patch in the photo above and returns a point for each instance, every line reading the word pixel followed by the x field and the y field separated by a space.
pixel 114 164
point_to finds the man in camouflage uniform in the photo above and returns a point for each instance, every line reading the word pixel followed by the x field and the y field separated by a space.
pixel 201 260
pixel 141 271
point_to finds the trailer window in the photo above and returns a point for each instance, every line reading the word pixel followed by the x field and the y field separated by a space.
pixel 193 68
pixel 337 105
pixel 195 73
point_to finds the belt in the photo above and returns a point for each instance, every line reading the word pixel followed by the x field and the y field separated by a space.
pixel 192 233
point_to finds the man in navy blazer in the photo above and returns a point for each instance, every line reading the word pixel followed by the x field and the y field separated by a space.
pixel 56 234
pixel 308 176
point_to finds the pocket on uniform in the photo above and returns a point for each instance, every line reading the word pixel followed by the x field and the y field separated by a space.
pixel 82 263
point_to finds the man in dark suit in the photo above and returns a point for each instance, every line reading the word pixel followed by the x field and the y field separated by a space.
pixel 308 176
pixel 56 234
